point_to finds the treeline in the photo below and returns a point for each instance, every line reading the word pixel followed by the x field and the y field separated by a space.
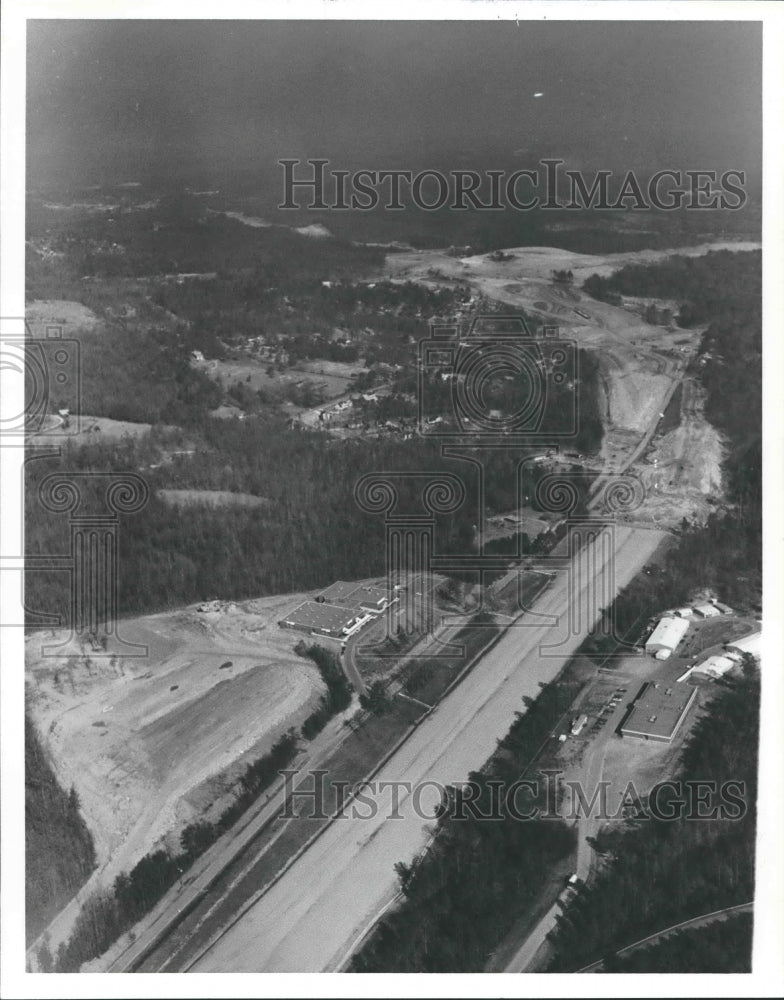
pixel 59 850
pixel 463 895
pixel 108 915
pixel 308 533
pixel 570 406
pixel 659 872
pixel 719 283
pixel 139 374
pixel 181 236
pixel 723 946
pixel 725 553
pixel 338 696
pixel 723 556
pixel 302 315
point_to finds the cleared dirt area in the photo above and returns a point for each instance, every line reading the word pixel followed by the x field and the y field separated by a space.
pixel 254 374
pixel 135 736
pixel 641 365
pixel 533 262
pixel 84 429
pixel 44 313
pixel 210 498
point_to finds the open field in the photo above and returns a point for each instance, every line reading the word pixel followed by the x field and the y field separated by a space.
pixel 85 429
pixel 537 262
pixel 44 313
pixel 135 736
pixel 254 374
pixel 210 498
pixel 350 868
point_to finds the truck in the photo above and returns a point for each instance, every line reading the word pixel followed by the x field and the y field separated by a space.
pixel 579 724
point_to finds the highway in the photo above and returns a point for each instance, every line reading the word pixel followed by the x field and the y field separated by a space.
pixel 310 919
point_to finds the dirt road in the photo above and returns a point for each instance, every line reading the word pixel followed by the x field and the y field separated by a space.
pixel 310 919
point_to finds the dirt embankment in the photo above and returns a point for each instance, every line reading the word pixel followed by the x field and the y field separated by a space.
pixel 641 364
pixel 137 735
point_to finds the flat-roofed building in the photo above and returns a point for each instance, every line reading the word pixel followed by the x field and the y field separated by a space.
pixel 352 595
pixel 659 711
pixel 666 636
pixel 338 593
pixel 322 619
pixel 370 598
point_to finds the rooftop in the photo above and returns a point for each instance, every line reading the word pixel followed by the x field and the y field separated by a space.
pixel 352 595
pixel 328 617
pixel 659 710
pixel 338 592
pixel 370 596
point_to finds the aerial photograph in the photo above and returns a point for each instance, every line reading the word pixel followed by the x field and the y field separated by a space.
pixel 393 496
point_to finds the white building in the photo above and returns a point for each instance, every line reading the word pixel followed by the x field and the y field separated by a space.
pixel 684 612
pixel 714 666
pixel 707 611
pixel 666 636
pixel 749 644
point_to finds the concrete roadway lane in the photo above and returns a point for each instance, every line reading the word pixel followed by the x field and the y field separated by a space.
pixel 309 920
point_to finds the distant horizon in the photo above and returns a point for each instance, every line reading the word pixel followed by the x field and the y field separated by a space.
pixel 172 103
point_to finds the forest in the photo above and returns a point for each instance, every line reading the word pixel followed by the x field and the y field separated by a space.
pixel 720 283
pixel 181 235
pixel 59 851
pixel 463 895
pixel 308 532
pixel 338 695
pixel 303 314
pixel 655 872
pixel 723 946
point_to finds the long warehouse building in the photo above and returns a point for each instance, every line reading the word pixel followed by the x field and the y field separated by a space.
pixel 664 639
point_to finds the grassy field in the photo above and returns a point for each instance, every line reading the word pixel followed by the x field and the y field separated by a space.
pixel 428 679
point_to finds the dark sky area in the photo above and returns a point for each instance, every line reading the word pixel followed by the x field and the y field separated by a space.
pixel 120 100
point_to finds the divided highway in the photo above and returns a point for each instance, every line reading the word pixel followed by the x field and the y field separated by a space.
pixel 313 916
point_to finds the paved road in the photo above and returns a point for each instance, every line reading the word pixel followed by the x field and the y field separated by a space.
pixel 309 920
pixel 684 925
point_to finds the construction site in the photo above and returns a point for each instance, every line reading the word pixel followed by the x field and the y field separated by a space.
pixel 151 742
pixel 652 403
pixel 154 743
